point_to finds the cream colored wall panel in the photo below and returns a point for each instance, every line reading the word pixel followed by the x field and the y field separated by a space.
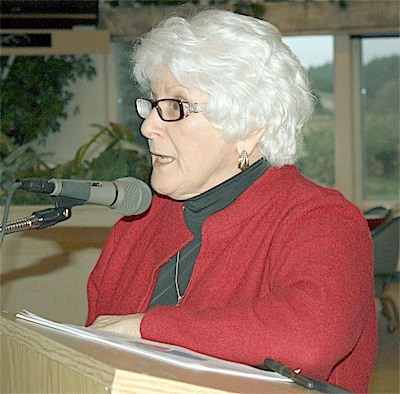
pixel 46 271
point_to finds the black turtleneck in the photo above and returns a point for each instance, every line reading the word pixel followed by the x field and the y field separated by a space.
pixel 196 210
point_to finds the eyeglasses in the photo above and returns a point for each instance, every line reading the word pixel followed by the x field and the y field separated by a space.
pixel 169 110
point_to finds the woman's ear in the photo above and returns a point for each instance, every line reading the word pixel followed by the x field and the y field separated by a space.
pixel 249 144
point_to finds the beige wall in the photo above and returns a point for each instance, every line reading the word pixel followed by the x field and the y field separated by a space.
pixel 45 271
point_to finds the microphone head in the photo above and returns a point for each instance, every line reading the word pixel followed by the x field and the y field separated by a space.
pixel 134 196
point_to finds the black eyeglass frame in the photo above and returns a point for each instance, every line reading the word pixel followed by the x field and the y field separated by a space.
pixel 154 104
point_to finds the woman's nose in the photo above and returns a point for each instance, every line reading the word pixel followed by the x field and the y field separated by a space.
pixel 152 125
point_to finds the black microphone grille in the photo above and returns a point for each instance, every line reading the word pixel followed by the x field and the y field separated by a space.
pixel 137 197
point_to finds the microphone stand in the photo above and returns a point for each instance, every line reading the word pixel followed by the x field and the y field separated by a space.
pixel 45 218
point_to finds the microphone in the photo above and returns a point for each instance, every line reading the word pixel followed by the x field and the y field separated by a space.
pixel 128 196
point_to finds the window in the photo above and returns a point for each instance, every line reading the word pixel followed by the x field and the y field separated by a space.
pixel 380 127
pixel 316 55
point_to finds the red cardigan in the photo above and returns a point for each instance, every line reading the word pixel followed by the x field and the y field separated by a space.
pixel 284 272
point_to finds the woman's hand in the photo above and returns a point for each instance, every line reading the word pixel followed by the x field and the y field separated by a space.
pixel 124 324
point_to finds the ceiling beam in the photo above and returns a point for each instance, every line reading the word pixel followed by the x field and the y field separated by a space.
pixel 298 17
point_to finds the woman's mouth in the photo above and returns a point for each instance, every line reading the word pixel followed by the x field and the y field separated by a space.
pixel 160 159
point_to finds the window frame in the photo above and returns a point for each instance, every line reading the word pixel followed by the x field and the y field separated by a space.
pixel 348 123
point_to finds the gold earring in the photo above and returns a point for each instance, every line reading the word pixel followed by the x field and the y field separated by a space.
pixel 243 161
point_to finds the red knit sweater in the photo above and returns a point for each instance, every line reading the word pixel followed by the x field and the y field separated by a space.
pixel 284 272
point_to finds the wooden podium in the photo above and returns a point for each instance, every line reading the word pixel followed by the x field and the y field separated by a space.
pixel 35 359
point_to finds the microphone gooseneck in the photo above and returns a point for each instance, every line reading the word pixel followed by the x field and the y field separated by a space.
pixel 15 226
pixel 38 220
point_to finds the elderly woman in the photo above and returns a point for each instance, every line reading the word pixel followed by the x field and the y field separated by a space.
pixel 239 256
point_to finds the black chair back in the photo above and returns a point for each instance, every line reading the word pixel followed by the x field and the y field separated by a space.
pixel 386 253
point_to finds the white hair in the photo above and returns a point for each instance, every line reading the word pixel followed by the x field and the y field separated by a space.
pixel 253 79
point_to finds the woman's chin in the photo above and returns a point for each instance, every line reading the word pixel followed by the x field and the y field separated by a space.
pixel 167 190
pixel 162 188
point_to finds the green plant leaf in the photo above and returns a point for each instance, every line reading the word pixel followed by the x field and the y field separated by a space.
pixel 110 165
